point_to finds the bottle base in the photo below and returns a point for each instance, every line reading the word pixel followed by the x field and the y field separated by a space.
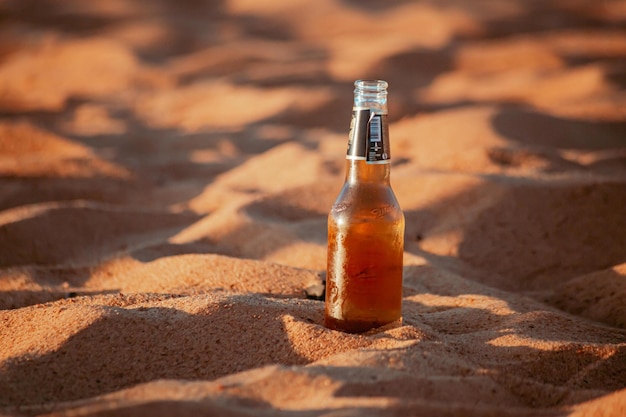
pixel 358 326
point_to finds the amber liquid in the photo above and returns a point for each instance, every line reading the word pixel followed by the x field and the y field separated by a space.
pixel 365 248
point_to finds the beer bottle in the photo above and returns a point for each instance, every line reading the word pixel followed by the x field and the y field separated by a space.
pixel 365 225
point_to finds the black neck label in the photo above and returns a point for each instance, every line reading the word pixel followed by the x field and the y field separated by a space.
pixel 369 137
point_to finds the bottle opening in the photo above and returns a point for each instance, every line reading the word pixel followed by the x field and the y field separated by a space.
pixel 370 86
pixel 371 94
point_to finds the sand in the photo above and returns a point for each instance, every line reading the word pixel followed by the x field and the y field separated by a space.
pixel 166 168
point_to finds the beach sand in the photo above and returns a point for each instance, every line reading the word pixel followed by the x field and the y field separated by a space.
pixel 166 169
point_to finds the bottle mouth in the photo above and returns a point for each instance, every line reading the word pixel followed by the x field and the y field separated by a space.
pixel 370 86
pixel 371 94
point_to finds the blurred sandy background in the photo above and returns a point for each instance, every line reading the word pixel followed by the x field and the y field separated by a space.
pixel 166 168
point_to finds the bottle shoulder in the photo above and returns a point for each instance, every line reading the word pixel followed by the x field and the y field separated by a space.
pixel 367 202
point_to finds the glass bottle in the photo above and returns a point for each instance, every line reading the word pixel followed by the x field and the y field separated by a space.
pixel 365 225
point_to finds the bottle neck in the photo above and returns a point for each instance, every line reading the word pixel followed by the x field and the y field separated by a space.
pixel 368 147
pixel 359 171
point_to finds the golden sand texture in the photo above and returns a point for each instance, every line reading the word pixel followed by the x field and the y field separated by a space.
pixel 166 169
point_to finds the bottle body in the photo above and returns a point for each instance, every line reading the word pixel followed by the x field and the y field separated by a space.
pixel 365 237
